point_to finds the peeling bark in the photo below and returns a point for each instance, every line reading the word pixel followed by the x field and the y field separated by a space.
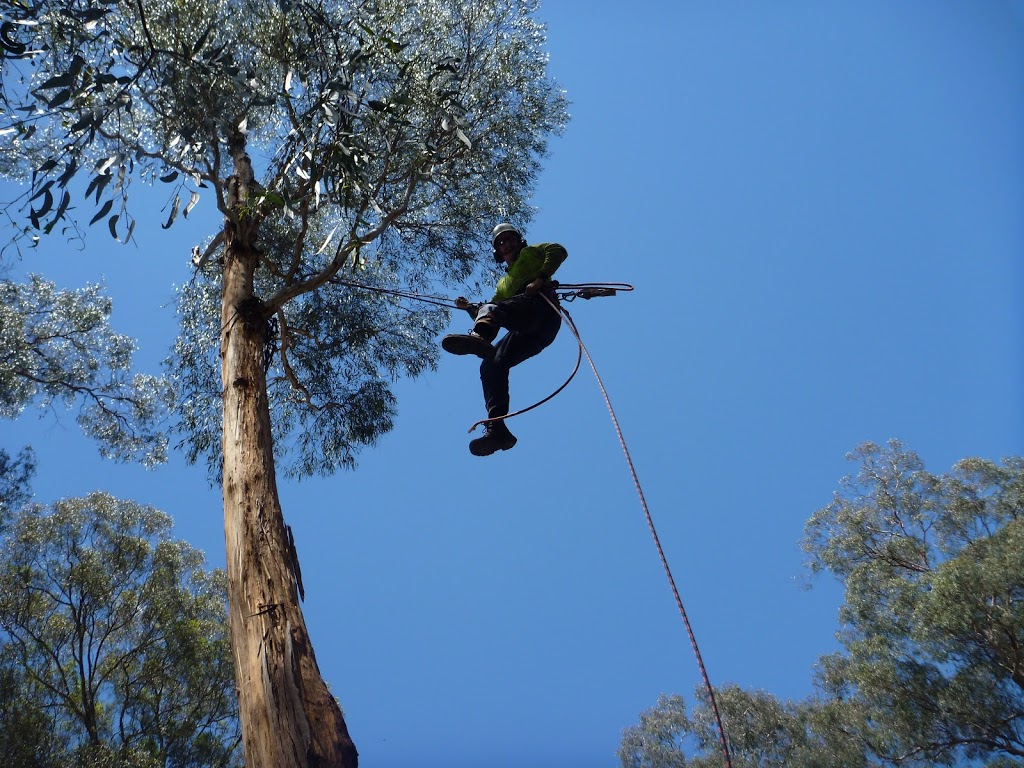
pixel 289 718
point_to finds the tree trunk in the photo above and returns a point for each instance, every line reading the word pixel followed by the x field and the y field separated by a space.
pixel 289 718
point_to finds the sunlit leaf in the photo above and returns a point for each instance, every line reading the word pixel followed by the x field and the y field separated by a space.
pixel 193 200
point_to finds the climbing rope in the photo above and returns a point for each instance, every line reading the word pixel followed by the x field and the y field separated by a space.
pixel 439 301
pixel 564 291
pixel 567 292
pixel 579 359
pixel 654 535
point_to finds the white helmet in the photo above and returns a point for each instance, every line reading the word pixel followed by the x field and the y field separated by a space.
pixel 502 229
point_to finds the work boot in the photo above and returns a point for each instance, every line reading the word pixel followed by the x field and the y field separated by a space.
pixel 496 437
pixel 468 344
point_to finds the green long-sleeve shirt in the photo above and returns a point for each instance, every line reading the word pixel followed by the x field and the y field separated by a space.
pixel 533 261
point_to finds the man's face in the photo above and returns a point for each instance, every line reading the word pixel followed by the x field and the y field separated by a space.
pixel 508 246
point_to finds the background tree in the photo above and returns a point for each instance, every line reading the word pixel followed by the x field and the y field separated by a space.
pixel 388 137
pixel 763 733
pixel 933 619
pixel 58 348
pixel 113 642
pixel 15 476
pixel 932 629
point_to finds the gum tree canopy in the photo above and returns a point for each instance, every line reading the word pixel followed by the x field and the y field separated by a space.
pixel 375 140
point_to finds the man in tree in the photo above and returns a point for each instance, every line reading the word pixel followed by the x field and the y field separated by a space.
pixel 523 303
pixel 334 139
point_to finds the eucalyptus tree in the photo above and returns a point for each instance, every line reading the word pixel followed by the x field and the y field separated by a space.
pixel 15 475
pixel 113 641
pixel 933 619
pixel 57 348
pixel 763 731
pixel 367 142
pixel 932 628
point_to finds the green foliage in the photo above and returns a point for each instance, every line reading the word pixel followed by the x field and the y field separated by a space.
pixel 933 623
pixel 657 741
pixel 115 637
pixel 932 628
pixel 59 348
pixel 15 478
pixel 386 138
pixel 763 732
pixel 27 738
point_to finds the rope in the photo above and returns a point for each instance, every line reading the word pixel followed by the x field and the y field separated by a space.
pixel 582 290
pixel 579 359
pixel 588 291
pixel 439 301
pixel 575 290
pixel 654 535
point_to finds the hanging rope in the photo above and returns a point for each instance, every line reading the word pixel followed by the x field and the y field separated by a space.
pixel 568 292
pixel 654 534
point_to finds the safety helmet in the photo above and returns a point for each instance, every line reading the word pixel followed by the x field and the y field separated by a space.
pixel 502 229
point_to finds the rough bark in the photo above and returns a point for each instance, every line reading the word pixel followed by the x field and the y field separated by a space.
pixel 289 718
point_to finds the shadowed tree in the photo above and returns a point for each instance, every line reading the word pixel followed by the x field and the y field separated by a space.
pixel 113 642
pixel 932 630
pixel 933 620
pixel 371 142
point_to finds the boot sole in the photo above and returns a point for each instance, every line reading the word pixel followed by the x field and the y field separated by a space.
pixel 479 448
pixel 465 344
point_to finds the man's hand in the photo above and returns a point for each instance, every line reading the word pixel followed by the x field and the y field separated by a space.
pixel 462 303
pixel 536 286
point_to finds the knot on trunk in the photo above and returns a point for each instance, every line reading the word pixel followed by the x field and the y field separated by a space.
pixel 252 312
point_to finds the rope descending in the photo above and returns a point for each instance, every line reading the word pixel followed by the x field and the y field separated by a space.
pixel 568 292
pixel 657 542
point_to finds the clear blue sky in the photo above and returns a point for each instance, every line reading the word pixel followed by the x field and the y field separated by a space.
pixel 821 205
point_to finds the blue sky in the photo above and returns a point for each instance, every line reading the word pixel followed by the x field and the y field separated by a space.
pixel 820 205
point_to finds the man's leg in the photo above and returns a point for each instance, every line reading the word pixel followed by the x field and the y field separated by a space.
pixel 533 326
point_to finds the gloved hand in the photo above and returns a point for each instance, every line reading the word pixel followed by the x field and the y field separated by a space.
pixel 463 303
pixel 532 289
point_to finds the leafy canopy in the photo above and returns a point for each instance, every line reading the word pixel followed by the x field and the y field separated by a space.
pixel 58 348
pixel 932 633
pixel 385 139
pixel 114 637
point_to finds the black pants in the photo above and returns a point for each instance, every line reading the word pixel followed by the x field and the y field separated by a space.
pixel 532 325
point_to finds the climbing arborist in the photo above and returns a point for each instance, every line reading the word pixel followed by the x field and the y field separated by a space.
pixel 518 305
